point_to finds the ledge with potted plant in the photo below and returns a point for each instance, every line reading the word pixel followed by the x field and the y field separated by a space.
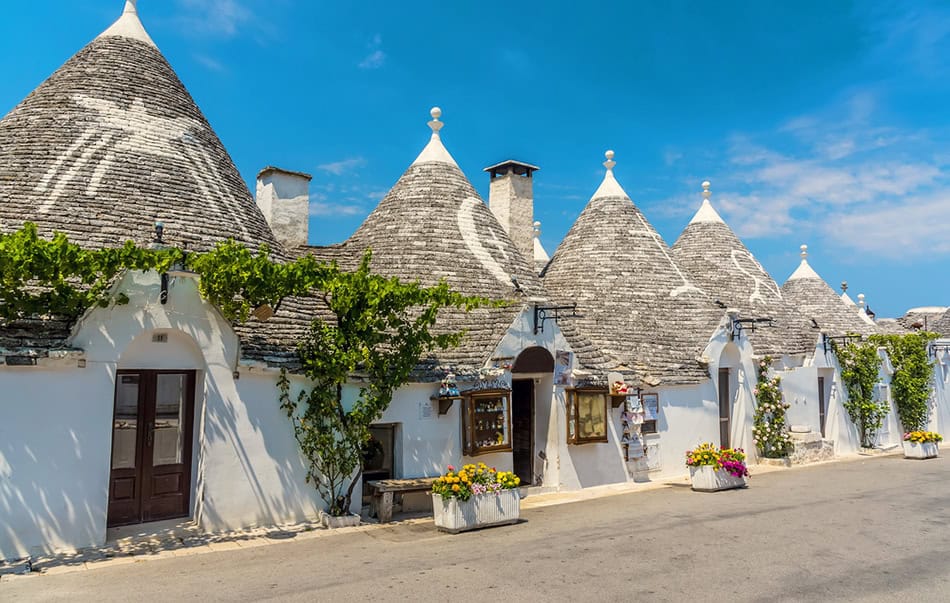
pixel 476 496
pixel 922 444
pixel 712 469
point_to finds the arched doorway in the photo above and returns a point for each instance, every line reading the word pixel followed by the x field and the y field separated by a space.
pixel 531 361
pixel 728 365
pixel 153 429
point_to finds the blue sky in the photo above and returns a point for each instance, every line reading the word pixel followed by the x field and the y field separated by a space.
pixel 823 123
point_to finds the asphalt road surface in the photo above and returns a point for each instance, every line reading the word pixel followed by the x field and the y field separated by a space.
pixel 870 530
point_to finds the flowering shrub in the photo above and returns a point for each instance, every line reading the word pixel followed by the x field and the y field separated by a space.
pixel 474 479
pixel 922 437
pixel 769 431
pixel 731 460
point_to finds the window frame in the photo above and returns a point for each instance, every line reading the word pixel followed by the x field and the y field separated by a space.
pixel 573 415
pixel 469 400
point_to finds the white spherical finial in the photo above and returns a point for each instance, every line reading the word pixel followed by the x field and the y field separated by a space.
pixel 435 124
pixel 610 163
pixel 804 249
pixel 537 229
pixel 706 193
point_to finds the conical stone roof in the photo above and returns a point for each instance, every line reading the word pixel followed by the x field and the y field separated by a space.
pixel 942 326
pixel 723 266
pixel 111 143
pixel 635 303
pixel 432 225
pixel 815 300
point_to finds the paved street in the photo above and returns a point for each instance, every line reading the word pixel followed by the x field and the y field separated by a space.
pixel 870 530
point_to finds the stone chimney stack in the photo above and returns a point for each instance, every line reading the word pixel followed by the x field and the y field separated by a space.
pixel 511 199
pixel 284 199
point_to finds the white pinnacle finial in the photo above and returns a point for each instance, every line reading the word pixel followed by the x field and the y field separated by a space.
pixel 610 163
pixel 435 124
pixel 130 6
pixel 706 193
pixel 861 299
pixel 537 229
pixel 804 254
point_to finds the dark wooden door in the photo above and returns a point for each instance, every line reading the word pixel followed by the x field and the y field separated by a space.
pixel 522 429
pixel 822 405
pixel 152 432
pixel 725 407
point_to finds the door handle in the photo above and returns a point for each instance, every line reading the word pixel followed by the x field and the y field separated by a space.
pixel 149 434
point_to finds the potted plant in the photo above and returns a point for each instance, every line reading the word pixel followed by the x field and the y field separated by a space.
pixel 921 444
pixel 712 469
pixel 476 496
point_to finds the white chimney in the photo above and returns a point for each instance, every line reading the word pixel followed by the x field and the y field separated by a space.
pixel 511 199
pixel 283 197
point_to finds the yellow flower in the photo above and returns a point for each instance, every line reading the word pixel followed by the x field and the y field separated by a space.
pixel 455 488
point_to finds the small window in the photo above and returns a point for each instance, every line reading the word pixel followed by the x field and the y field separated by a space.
pixel 651 412
pixel 586 416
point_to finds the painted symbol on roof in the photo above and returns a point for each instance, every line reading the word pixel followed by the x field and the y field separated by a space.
pixel 133 129
pixel 747 265
pixel 472 240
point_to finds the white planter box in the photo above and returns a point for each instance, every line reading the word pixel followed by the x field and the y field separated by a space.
pixel 344 521
pixel 707 479
pixel 453 515
pixel 927 450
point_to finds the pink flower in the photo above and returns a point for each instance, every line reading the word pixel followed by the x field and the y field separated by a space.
pixel 451 468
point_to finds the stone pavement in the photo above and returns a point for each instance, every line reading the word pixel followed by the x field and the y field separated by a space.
pixel 183 539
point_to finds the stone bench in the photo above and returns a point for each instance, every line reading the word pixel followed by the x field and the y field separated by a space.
pixel 383 490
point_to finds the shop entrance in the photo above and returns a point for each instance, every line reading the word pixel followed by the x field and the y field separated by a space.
pixel 522 429
pixel 151 446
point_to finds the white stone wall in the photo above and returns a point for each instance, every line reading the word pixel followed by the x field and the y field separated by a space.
pixel 56 436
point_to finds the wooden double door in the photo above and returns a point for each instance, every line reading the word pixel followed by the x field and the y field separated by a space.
pixel 152 428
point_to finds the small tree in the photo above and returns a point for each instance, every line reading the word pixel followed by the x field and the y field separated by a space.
pixel 859 371
pixel 378 330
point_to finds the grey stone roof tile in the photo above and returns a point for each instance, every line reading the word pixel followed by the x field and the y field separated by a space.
pixel 111 143
pixel 636 306
pixel 722 265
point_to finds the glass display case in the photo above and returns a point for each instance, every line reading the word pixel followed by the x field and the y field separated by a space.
pixel 486 422
pixel 586 415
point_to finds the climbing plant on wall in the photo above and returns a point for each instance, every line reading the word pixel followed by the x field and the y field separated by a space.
pixel 770 429
pixel 913 372
pixel 379 329
pixel 40 277
pixel 58 278
pixel 860 365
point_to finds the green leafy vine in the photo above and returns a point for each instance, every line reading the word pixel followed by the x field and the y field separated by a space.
pixel 913 371
pixel 860 365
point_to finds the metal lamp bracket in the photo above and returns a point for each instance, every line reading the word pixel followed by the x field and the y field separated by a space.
pixel 542 313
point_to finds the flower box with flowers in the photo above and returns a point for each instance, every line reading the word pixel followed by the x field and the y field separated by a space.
pixel 712 469
pixel 475 497
pixel 922 444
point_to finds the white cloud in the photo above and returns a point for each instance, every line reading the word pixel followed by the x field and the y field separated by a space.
pixel 376 58
pixel 338 168
pixel 209 63
pixel 840 175
pixel 216 17
pixel 373 60
pixel 324 209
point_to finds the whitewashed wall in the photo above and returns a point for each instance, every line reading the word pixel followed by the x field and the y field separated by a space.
pixel 800 392
pixel 940 393
pixel 838 425
pixel 55 444
pixel 733 352
pixel 55 451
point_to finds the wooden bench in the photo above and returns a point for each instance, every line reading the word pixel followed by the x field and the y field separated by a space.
pixel 383 490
